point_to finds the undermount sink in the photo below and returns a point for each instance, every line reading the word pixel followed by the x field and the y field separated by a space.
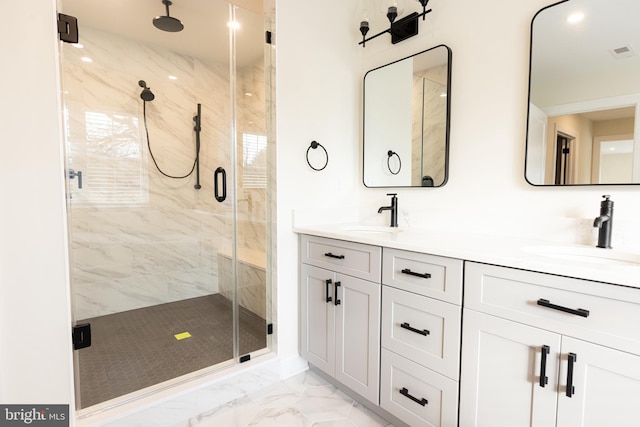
pixel 588 254
pixel 370 229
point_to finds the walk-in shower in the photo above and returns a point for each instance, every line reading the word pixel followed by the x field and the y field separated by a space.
pixel 168 23
pixel 173 279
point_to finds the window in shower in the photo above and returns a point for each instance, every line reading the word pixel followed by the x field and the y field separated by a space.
pixel 114 174
pixel 254 161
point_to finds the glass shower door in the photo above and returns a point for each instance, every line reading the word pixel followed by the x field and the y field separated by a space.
pixel 254 146
pixel 160 237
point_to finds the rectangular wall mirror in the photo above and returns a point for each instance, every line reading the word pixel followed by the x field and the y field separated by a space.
pixel 406 121
pixel 584 94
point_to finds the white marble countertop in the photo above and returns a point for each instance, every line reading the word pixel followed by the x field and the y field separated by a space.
pixel 528 254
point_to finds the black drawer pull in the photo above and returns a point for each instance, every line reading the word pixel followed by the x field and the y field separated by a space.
pixel 578 312
pixel 544 380
pixel 573 358
pixel 405 325
pixel 326 288
pixel 330 255
pixel 335 293
pixel 405 393
pixel 412 273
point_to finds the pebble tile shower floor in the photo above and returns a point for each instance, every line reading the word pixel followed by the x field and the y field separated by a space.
pixel 137 348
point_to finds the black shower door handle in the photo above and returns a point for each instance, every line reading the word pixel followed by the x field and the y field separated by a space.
pixel 216 189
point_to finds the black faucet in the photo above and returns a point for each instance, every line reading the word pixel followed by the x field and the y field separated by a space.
pixel 393 208
pixel 604 222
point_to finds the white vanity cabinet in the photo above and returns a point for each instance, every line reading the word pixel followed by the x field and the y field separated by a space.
pixel 340 311
pixel 421 298
pixel 529 356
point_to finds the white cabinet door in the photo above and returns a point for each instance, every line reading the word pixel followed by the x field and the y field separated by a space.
pixel 501 369
pixel 340 328
pixel 358 335
pixel 317 333
pixel 606 386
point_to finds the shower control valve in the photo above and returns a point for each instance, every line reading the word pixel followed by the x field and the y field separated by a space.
pixel 72 174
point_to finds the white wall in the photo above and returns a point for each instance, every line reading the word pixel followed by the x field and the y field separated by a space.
pixel 486 191
pixel 35 325
pixel 319 97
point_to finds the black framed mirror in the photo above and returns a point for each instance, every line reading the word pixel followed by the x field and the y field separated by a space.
pixel 406 114
pixel 584 94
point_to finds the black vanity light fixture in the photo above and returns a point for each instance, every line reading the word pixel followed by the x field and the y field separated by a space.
pixel 400 30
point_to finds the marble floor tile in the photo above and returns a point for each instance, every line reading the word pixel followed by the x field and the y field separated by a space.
pixel 260 399
pixel 304 400
pixel 237 413
pixel 280 417
pixel 325 403
pixel 362 417
pixel 277 395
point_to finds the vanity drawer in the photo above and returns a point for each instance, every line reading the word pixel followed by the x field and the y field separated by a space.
pixel 594 311
pixel 422 329
pixel 429 275
pixel 416 395
pixel 354 259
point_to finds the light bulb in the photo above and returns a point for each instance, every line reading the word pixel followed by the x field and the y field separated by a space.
pixel 574 18
pixel 364 16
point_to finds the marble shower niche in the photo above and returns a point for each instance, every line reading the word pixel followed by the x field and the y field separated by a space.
pixel 138 238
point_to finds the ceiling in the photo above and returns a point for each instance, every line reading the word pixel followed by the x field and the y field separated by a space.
pixel 611 114
pixel 562 50
pixel 205 36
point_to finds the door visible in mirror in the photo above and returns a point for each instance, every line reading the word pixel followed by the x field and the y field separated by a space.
pixel 406 121
pixel 584 94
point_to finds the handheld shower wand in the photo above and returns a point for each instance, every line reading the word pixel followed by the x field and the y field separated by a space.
pixel 146 94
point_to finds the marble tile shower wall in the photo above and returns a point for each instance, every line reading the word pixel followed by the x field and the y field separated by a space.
pixel 139 238
pixel 429 126
pixel 252 197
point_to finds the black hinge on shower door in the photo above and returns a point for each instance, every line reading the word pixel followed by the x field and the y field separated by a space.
pixel 68 28
pixel 81 336
pixel 268 37
pixel 270 329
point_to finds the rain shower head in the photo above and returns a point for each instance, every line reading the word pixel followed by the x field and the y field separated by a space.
pixel 167 23
pixel 146 94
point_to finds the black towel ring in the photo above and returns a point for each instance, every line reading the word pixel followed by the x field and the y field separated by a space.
pixel 389 155
pixel 314 145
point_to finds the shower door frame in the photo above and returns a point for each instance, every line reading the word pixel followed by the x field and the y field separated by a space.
pixel 187 378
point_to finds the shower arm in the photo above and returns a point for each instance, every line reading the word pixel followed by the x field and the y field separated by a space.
pixel 197 128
